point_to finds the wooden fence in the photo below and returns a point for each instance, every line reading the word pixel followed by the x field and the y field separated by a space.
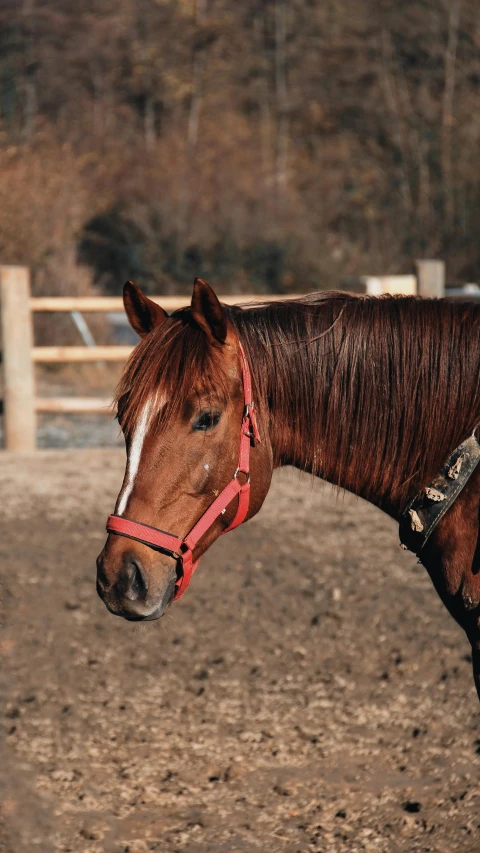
pixel 20 355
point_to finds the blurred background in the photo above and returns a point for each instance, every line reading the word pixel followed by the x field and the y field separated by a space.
pixel 309 693
pixel 268 145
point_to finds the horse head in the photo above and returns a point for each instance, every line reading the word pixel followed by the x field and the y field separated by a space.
pixel 180 404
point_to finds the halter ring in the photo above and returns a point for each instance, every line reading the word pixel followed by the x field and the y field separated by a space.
pixel 239 471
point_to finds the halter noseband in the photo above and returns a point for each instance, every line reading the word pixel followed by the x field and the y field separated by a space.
pixel 182 549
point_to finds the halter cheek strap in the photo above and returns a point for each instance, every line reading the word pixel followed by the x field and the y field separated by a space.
pixel 182 549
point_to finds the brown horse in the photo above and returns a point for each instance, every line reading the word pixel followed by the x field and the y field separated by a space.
pixel 370 394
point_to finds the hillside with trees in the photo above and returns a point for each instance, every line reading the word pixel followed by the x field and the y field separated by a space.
pixel 265 144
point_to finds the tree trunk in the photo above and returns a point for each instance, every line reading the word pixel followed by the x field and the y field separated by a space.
pixel 447 113
pixel 30 92
pixel 397 132
pixel 197 75
pixel 263 98
pixel 281 94
pixel 149 123
pixel 184 195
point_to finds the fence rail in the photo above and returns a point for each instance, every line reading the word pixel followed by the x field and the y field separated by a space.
pixel 20 403
pixel 87 304
pixel 63 354
pixel 73 405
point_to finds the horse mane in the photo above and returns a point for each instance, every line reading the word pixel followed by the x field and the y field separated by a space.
pixel 371 393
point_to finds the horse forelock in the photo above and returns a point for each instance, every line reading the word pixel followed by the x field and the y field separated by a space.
pixel 170 364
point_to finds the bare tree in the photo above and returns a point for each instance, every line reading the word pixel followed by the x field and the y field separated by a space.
pixel 197 74
pixel 30 93
pixel 392 101
pixel 281 95
pixel 447 111
pixel 262 91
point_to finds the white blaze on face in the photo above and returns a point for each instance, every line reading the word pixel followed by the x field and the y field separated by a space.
pixel 141 429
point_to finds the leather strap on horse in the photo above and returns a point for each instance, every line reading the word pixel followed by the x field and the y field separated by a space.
pixel 423 513
pixel 182 549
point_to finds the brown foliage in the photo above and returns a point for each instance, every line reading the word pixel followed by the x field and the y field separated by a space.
pixel 271 144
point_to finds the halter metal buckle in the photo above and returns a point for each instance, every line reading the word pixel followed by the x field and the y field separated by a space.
pixel 238 471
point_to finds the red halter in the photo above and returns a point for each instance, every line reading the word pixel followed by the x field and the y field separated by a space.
pixel 182 549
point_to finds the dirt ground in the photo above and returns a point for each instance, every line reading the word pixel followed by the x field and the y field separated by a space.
pixel 308 693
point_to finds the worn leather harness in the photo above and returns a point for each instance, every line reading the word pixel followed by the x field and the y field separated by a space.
pixel 426 509
pixel 182 549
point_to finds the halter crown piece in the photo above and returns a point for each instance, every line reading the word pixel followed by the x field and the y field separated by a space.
pixel 182 549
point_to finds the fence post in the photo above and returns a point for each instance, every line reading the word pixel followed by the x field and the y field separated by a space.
pixel 431 278
pixel 19 419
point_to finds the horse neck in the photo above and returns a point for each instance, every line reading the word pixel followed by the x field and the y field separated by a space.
pixel 339 381
pixel 297 437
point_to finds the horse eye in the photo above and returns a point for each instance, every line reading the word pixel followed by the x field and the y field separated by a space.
pixel 206 420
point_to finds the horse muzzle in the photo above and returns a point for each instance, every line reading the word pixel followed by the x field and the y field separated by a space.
pixel 133 588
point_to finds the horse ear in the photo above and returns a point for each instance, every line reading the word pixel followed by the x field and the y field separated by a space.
pixel 208 312
pixel 143 314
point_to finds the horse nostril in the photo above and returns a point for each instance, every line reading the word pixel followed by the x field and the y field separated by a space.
pixel 136 580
